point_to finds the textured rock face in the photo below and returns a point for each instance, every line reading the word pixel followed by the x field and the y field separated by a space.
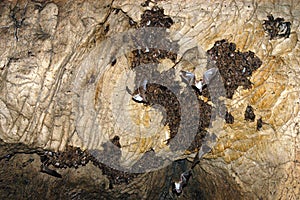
pixel 65 68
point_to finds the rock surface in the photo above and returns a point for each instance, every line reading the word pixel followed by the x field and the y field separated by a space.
pixel 64 69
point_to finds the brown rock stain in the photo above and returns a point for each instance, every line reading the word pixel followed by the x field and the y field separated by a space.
pixel 98 91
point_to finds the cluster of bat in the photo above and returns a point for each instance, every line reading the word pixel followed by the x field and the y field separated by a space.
pixel 189 78
pixel 277 28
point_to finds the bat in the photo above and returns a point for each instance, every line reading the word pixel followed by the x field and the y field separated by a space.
pixel 190 78
pixel 140 95
pixel 48 171
pixel 184 177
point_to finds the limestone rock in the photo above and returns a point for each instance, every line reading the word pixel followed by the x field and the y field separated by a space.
pixel 65 68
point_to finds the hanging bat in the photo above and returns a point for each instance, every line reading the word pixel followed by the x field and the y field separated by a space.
pixel 184 178
pixel 190 78
pixel 139 95
pixel 45 169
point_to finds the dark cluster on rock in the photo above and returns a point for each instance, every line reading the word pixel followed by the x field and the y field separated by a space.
pixel 229 118
pixel 249 114
pixel 148 39
pixel 74 157
pixel 277 28
pixel 234 66
pixel 156 18
pixel 116 141
pixel 259 124
pixel 71 157
pixel 161 95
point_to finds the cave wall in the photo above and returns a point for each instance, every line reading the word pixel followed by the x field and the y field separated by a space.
pixel 55 55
